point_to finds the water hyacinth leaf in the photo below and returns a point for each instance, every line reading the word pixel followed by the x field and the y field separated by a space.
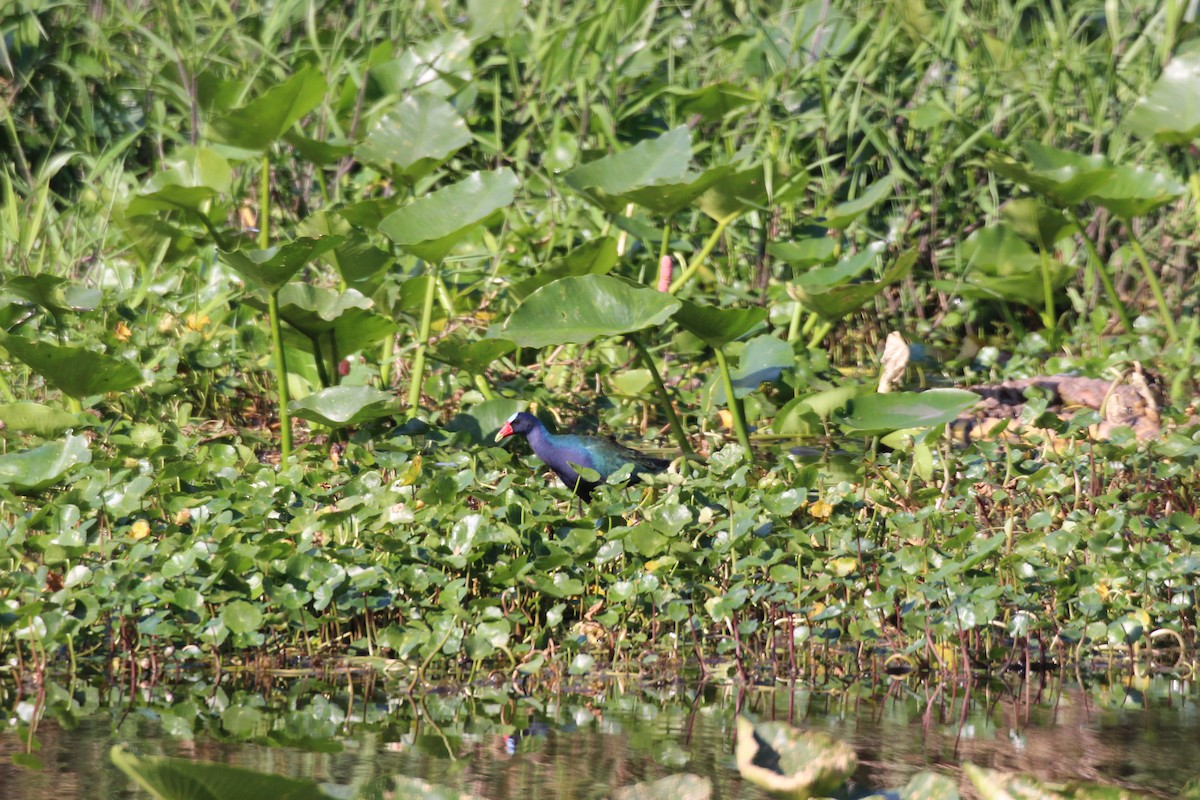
pixel 185 779
pixel 717 327
pixel 841 215
pixel 482 422
pixel 596 257
pixel 1170 111
pixel 838 301
pixel 684 786
pixel 274 267
pixel 56 295
pixel 415 137
pixel 790 762
pixel 43 466
pixel 75 371
pixel 429 227
pixel 580 309
pixel 41 420
pixel 881 413
pixel 259 123
pixel 344 405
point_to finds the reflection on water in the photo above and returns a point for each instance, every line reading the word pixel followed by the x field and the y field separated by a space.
pixel 356 731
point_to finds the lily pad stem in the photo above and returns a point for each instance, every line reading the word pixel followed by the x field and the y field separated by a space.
pixel 1102 271
pixel 664 398
pixel 281 371
pixel 735 408
pixel 698 259
pixel 418 367
pixel 1049 316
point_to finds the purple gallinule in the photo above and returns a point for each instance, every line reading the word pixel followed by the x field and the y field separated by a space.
pixel 564 452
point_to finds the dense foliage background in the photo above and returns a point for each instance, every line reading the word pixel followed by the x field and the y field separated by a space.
pixel 399 223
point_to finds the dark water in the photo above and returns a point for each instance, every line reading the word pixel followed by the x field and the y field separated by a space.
pixel 356 731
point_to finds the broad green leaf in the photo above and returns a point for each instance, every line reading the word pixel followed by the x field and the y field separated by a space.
pixel 75 371
pixel 597 257
pixel 762 361
pixel 580 309
pixel 274 267
pixel 805 252
pixel 415 137
pixel 736 191
pixel 846 270
pixel 838 301
pixel 318 152
pixel 359 262
pixel 928 785
pixel 788 761
pixel 342 322
pixel 259 123
pixel 433 224
pixel 473 357
pixel 56 295
pixel 1063 177
pixel 841 215
pixel 170 198
pixel 659 166
pixel 500 18
pixel 879 413
pixel 712 102
pixel 184 779
pixel 38 419
pixel 338 406
pixel 1002 266
pixel 43 466
pixel 241 616
pixel 1170 111
pixel 993 784
pixel 191 179
pixel 717 327
pixel 440 66
pixel 1035 222
pixel 482 422
pixel 1135 191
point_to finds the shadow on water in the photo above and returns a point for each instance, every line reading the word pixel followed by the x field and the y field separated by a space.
pixel 583 741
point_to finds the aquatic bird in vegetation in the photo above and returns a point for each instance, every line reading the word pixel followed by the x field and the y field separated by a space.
pixel 564 452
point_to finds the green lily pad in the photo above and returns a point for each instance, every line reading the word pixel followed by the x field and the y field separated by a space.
pixel 184 779
pixel 339 406
pixel 1170 111
pixel 259 123
pixel 43 466
pixel 842 273
pixel 432 225
pixel 762 361
pixel 75 371
pixel 274 267
pixel 717 327
pixel 580 309
pixel 483 421
pixel 790 762
pixel 38 419
pixel 241 616
pixel 416 137
pixel 880 413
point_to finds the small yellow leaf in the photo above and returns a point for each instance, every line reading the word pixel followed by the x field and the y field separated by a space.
pixel 820 510
pixel 122 332
pixel 139 529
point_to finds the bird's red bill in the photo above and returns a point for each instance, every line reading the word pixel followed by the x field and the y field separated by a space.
pixel 505 431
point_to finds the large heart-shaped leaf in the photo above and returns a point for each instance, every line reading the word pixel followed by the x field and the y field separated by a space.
pixel 482 422
pixel 879 413
pixel 1002 266
pixel 712 102
pixel 762 361
pixel 415 137
pixel 339 406
pixel 345 320
pixel 1170 111
pixel 717 327
pixel 259 123
pixel 1135 191
pixel 274 267
pixel 56 295
pixel 75 371
pixel 42 467
pixel 432 225
pixel 192 178
pixel 473 357
pixel 1063 177
pixel 593 258
pixel 580 309
pixel 736 191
